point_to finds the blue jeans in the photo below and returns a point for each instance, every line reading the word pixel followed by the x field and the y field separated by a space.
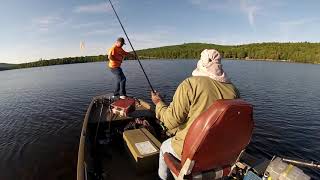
pixel 120 82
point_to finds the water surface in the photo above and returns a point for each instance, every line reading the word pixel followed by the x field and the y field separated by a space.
pixel 41 109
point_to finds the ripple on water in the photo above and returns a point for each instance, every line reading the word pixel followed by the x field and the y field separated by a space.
pixel 42 110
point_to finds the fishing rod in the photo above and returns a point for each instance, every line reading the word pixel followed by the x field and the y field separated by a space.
pixel 135 54
pixel 302 163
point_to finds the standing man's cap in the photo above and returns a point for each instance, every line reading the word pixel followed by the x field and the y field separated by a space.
pixel 120 39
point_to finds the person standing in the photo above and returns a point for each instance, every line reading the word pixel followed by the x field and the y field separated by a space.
pixel 116 55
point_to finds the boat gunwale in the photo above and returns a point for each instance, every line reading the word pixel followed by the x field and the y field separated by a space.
pixel 81 161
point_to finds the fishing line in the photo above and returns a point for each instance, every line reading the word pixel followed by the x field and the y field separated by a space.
pixel 95 137
pixel 135 54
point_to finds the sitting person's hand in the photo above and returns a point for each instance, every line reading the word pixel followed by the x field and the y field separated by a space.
pixel 155 97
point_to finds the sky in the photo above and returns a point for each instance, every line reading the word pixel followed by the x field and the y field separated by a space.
pixel 44 29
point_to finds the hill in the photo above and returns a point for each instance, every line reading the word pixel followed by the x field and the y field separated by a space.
pixel 5 66
pixel 294 52
pixel 66 60
pixel 303 52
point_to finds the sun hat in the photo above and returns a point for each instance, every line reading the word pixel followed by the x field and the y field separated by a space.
pixel 210 65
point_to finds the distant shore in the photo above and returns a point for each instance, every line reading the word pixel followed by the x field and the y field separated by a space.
pixel 281 52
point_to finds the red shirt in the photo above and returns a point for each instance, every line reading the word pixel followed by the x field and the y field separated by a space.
pixel 119 54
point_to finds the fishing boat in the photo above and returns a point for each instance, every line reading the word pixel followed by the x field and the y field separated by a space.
pixel 121 139
pixel 102 152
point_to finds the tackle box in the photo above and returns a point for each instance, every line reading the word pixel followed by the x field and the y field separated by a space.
pixel 123 107
pixel 143 147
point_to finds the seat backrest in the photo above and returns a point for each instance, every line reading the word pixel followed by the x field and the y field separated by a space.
pixel 217 137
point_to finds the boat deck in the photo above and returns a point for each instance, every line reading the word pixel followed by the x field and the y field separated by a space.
pixel 118 164
pixel 104 154
pixel 108 153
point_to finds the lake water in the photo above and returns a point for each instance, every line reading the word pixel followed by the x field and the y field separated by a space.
pixel 41 109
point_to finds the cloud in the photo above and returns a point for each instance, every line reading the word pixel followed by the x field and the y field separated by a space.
pixel 251 11
pixel 45 23
pixel 101 32
pixel 92 8
pixel 289 29
pixel 102 7
pixel 88 25
pixel 209 4
pixel 298 22
pixel 156 36
pixel 195 2
pixel 96 24
pixel 97 28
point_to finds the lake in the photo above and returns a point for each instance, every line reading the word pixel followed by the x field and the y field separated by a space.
pixel 41 109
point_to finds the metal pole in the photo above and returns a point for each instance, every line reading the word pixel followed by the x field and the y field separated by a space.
pixel 307 164
pixel 135 54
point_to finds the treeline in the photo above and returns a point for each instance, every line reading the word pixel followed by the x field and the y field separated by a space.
pixel 303 52
pixel 295 52
pixel 67 60
pixel 4 66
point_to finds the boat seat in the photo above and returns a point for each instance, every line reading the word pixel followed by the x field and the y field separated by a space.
pixel 214 141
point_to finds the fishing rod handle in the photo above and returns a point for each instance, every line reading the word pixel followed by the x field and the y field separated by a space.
pixel 308 164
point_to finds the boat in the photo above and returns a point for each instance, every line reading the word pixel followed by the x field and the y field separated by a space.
pixel 102 154
pixel 120 139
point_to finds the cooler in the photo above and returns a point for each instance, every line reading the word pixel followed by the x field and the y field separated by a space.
pixel 123 107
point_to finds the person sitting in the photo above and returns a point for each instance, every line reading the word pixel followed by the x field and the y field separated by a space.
pixel 116 55
pixel 193 96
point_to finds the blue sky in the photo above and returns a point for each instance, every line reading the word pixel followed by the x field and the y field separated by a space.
pixel 36 29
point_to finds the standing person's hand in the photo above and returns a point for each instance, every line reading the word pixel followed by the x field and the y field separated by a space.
pixel 132 56
pixel 155 97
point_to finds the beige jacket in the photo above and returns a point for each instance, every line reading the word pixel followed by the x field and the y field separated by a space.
pixel 192 97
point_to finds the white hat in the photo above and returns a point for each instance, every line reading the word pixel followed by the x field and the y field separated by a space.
pixel 210 65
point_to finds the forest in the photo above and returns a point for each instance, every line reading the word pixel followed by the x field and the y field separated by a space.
pixel 303 52
pixel 67 60
pixel 293 52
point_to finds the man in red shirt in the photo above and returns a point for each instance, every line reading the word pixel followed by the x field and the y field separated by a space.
pixel 116 55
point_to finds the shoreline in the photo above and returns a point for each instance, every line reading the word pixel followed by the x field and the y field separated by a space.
pixel 236 59
pixel 274 60
pixel 301 53
pixel 166 59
